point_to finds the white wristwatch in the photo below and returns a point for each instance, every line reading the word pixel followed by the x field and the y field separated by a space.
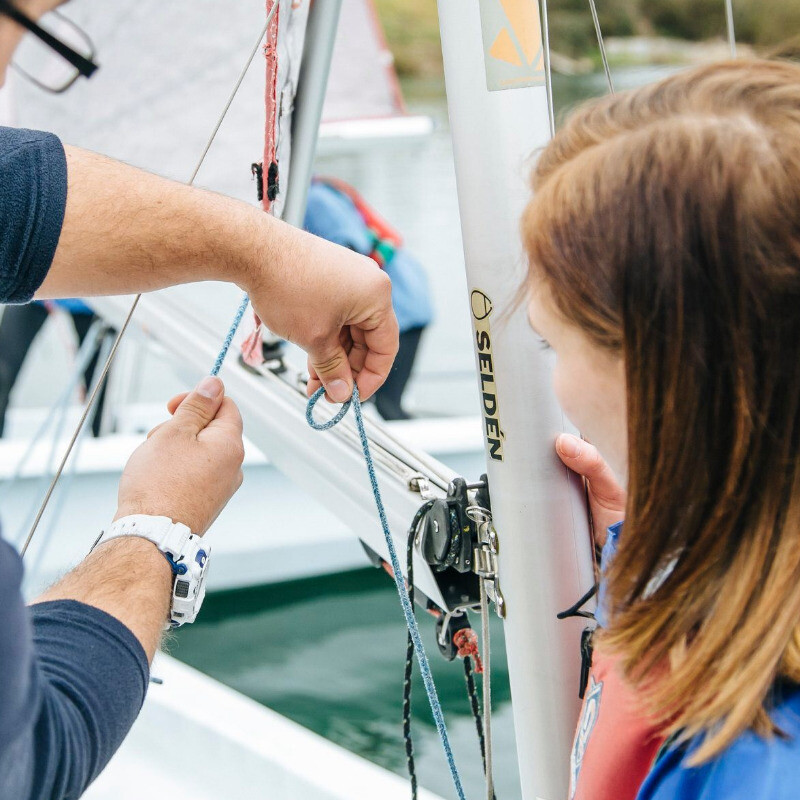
pixel 186 553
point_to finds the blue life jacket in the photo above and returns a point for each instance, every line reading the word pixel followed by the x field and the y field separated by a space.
pixel 332 215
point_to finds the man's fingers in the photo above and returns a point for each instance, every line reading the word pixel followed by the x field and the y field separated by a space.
pixel 155 430
pixel 224 434
pixel 332 369
pixel 199 407
pixel 585 459
pixel 228 419
pixel 174 402
pixel 381 345
pixel 369 355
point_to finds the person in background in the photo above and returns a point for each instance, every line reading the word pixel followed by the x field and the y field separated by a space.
pixel 18 329
pixel 338 213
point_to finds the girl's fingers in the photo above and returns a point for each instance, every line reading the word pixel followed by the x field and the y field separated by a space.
pixel 585 459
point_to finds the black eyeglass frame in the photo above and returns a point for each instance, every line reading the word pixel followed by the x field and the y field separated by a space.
pixel 85 66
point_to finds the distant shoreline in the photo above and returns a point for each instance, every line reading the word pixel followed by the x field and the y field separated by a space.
pixel 672 32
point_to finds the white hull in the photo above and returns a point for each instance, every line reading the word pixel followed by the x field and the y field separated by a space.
pixel 197 738
pixel 273 530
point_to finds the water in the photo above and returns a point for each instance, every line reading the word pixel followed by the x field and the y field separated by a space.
pixel 329 654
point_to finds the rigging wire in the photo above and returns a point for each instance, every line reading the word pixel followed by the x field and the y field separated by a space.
pixel 548 71
pixel 601 45
pixel 408 610
pixel 86 409
pixel 93 397
pixel 56 510
pixel 487 691
pixel 96 348
pixel 731 29
pixel 82 358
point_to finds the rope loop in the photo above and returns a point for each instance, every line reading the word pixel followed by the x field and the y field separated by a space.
pixel 335 420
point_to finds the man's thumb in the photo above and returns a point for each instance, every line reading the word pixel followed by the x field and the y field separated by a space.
pixel 200 406
pixel 333 370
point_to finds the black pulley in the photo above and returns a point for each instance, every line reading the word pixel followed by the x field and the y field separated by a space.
pixel 446 628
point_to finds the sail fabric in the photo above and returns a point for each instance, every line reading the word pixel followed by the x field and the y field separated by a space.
pixel 363 82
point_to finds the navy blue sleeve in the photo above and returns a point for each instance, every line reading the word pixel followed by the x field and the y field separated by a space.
pixel 72 682
pixel 33 196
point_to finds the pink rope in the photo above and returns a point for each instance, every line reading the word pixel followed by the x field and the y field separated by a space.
pixel 251 347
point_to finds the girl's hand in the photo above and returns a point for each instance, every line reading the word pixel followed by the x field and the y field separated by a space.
pixel 606 497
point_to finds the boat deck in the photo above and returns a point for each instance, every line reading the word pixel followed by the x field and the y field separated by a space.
pixel 197 738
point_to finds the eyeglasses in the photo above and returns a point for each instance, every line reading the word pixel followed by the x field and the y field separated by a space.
pixel 34 56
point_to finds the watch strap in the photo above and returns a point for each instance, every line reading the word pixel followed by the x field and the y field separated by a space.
pixel 168 536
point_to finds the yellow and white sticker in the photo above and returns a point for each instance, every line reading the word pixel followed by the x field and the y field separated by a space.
pixel 512 44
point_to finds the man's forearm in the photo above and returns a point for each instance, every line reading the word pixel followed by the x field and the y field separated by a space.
pixel 126 231
pixel 127 578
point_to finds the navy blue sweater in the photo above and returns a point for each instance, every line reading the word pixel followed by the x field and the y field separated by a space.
pixel 72 678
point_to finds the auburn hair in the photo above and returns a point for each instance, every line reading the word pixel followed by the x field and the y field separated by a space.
pixel 665 222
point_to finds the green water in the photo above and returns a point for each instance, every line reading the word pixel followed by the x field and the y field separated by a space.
pixel 329 653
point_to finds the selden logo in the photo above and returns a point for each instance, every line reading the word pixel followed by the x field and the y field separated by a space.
pixel 512 43
pixel 481 311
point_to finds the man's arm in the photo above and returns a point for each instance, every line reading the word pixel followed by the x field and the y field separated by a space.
pixel 188 469
pixel 79 662
pixel 127 578
pixel 126 230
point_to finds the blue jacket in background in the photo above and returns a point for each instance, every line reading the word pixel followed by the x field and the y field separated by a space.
pixel 333 216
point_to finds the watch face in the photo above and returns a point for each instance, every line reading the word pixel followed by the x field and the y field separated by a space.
pixel 189 589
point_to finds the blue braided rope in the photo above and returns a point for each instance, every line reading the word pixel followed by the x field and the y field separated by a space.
pixel 231 333
pixel 405 601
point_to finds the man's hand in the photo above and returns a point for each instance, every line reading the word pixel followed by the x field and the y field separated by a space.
pixel 606 497
pixel 187 470
pixel 337 306
pixel 128 231
pixel 190 466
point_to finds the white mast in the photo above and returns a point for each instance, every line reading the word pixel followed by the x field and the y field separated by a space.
pixel 497 100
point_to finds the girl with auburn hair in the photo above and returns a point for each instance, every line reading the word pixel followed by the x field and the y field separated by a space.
pixel 664 247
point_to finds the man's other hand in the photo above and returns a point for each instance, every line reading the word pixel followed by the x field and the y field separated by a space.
pixel 191 465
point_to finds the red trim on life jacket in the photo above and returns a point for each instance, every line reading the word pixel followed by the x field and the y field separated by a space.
pixel 615 743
